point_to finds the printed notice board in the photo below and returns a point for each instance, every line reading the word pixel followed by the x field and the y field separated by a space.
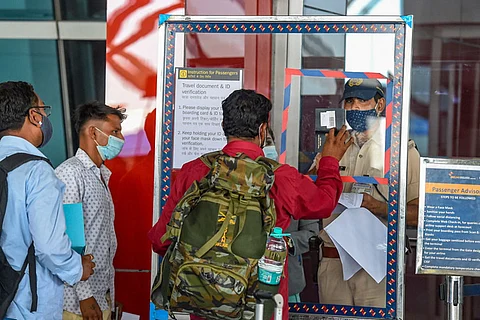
pixel 199 93
pixel 449 217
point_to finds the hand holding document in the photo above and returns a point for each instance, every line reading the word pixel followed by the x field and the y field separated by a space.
pixel 361 241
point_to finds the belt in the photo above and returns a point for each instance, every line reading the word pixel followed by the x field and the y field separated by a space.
pixel 330 252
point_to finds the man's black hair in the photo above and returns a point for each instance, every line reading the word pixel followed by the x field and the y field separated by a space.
pixel 16 98
pixel 95 110
pixel 243 113
pixel 377 97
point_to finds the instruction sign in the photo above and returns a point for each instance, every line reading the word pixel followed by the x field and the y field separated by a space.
pixel 449 217
pixel 199 93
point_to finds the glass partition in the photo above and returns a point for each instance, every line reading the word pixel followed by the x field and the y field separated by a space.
pixel 364 48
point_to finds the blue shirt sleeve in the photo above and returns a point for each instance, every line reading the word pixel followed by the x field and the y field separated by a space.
pixel 47 224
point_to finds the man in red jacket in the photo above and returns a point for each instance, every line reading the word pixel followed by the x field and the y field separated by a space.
pixel 245 123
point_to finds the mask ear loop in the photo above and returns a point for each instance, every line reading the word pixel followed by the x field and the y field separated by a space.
pixel 260 136
pixel 95 140
pixel 376 111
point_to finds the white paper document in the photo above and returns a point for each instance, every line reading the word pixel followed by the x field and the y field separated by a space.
pixel 349 265
pixel 351 200
pixel 361 241
pixel 339 209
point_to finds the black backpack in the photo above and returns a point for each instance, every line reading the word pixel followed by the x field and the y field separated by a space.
pixel 10 278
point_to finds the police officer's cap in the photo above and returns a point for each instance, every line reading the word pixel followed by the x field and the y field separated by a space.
pixel 364 89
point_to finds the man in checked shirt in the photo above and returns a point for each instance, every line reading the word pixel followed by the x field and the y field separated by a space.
pixel 86 178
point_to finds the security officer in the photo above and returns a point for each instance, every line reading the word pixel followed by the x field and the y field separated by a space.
pixel 364 102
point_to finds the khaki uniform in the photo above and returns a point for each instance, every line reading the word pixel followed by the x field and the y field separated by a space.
pixel 362 289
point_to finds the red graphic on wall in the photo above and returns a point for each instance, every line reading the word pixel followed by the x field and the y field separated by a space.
pixel 132 179
pixel 136 72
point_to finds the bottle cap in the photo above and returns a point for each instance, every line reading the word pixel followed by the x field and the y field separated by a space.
pixel 277 233
pixel 277 230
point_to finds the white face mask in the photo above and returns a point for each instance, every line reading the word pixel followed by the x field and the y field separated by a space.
pixel 113 147
pixel 270 152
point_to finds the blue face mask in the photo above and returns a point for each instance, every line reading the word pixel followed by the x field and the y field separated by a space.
pixel 270 152
pixel 358 119
pixel 112 149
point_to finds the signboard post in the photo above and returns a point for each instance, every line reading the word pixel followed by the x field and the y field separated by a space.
pixel 454 299
pixel 449 224
pixel 199 93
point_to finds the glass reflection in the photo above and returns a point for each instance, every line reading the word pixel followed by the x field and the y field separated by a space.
pixel 26 10
pixel 363 103
pixel 36 61
pixel 84 10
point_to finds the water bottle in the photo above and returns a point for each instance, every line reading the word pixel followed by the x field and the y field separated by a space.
pixel 270 266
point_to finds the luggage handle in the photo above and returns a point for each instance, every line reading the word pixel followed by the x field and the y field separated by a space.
pixel 261 296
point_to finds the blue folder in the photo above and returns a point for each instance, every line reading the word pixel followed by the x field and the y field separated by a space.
pixel 75 226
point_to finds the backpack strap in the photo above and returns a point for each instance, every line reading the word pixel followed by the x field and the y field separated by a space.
pixel 7 165
pixel 213 240
pixel 272 164
pixel 16 160
pixel 209 158
pixel 32 270
pixel 270 216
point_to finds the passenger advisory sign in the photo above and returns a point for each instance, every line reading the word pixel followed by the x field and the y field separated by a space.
pixel 449 217
pixel 199 93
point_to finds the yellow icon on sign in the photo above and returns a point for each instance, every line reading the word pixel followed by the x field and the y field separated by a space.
pixel 183 74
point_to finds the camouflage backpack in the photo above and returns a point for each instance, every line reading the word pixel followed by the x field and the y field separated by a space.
pixel 219 231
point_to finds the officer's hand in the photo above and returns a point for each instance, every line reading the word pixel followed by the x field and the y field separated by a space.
pixel 90 309
pixel 376 207
pixel 88 265
pixel 336 145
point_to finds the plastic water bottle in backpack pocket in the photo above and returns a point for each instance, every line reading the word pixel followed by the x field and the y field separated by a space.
pixel 270 266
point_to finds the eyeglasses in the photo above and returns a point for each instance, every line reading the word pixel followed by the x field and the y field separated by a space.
pixel 46 109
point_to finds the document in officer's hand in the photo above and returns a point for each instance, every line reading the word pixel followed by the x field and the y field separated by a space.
pixel 361 240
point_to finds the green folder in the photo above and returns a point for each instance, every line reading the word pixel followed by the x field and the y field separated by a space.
pixel 75 226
